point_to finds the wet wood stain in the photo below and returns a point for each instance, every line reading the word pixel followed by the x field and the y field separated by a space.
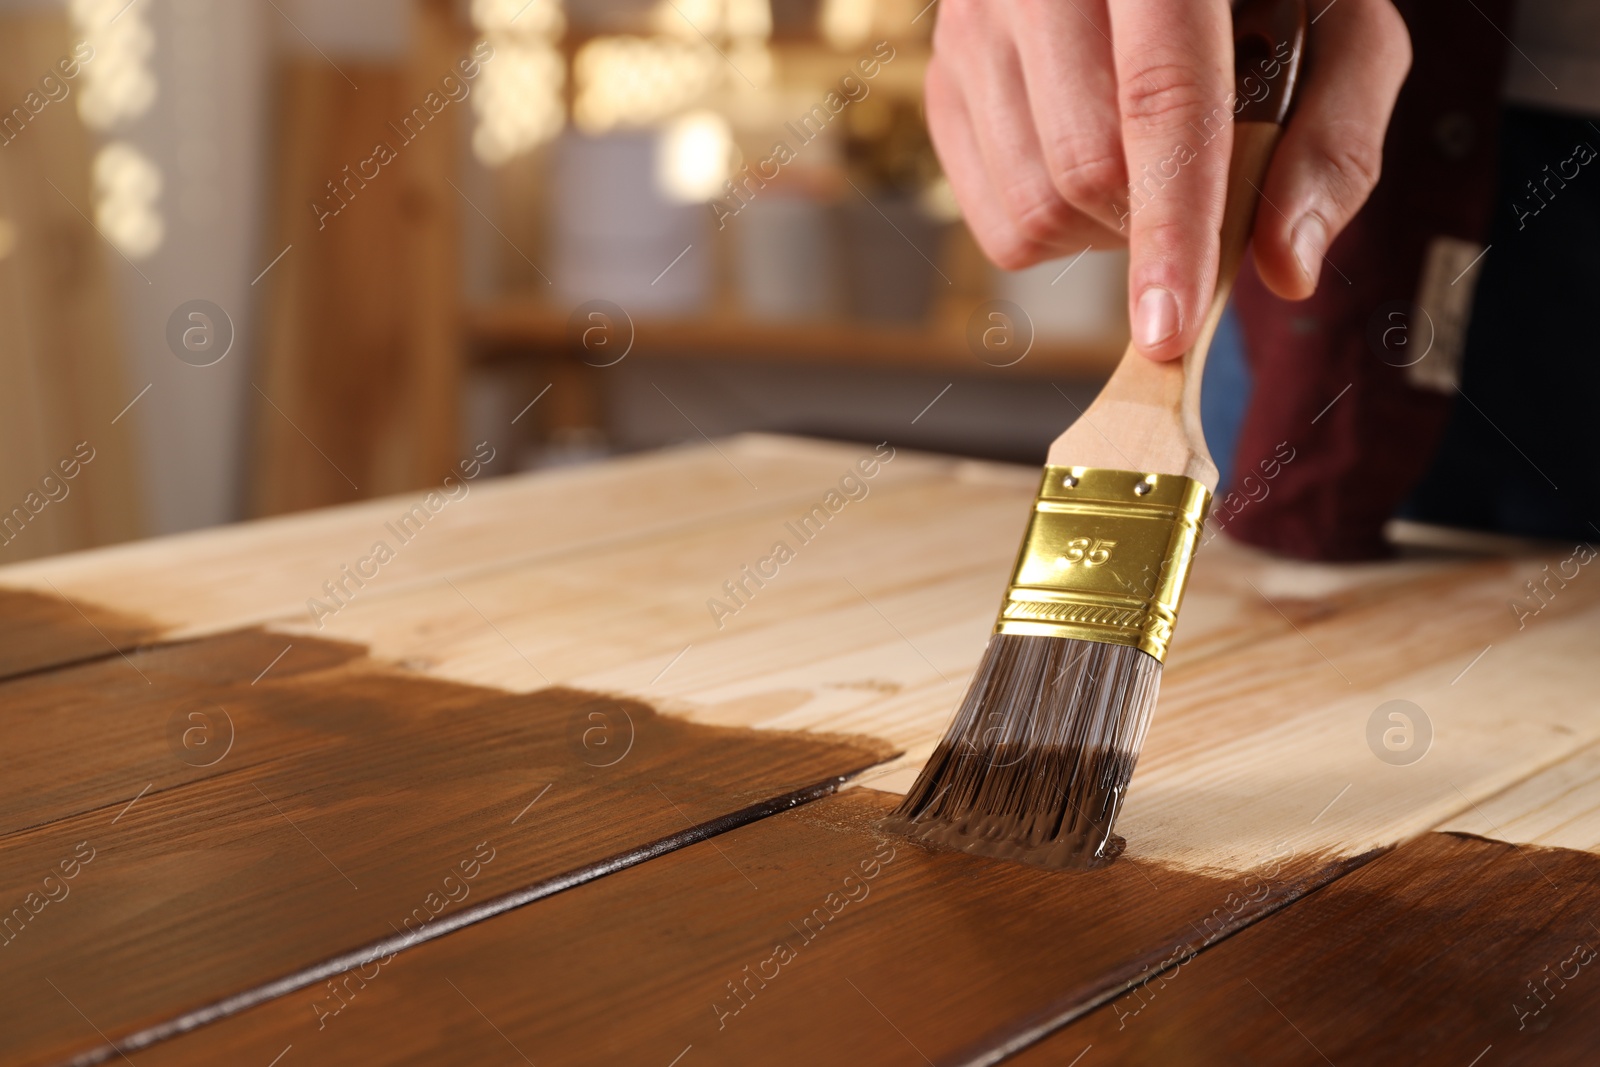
pixel 810 937
pixel 245 824
pixel 1432 953
pixel 38 630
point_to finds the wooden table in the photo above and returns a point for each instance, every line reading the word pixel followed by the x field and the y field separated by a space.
pixel 524 796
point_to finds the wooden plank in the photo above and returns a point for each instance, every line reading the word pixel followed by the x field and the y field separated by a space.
pixel 854 948
pixel 1259 753
pixel 219 579
pixel 873 633
pixel 237 818
pixel 42 631
pixel 1274 674
pixel 1185 884
pixel 1557 808
pixel 1454 948
pixel 1449 950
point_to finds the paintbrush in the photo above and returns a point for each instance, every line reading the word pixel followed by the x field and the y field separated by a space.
pixel 1036 764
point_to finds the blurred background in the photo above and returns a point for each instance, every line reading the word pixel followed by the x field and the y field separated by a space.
pixel 258 256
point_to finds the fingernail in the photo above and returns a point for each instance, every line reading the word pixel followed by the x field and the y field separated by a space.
pixel 1156 317
pixel 1309 241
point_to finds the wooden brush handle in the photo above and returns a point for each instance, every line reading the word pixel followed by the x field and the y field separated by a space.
pixel 1147 418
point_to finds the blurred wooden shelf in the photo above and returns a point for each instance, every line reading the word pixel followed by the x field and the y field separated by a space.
pixel 502 328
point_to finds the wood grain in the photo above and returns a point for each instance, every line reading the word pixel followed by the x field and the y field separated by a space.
pixel 1557 808
pixel 219 579
pixel 247 817
pixel 940 957
pixel 39 631
pixel 1451 949
pixel 599 581
pixel 874 627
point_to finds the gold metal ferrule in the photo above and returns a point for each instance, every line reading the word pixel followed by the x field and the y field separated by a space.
pixel 1106 557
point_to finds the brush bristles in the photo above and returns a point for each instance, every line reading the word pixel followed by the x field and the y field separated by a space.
pixel 1037 762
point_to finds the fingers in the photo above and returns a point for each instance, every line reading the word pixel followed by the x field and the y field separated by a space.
pixel 1174 65
pixel 950 127
pixel 980 117
pixel 1065 51
pixel 1331 154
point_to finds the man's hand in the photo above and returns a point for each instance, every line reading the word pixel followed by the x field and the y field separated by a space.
pixel 1042 109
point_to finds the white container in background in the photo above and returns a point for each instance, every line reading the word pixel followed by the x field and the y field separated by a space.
pixel 787 268
pixel 1087 303
pixel 617 237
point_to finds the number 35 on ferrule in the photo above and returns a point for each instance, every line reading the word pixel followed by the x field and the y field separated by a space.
pixel 1091 552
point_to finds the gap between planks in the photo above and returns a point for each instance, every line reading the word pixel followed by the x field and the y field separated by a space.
pixel 448 924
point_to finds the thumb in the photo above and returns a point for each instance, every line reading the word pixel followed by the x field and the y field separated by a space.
pixel 1330 157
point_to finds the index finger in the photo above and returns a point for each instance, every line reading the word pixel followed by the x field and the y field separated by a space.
pixel 1174 65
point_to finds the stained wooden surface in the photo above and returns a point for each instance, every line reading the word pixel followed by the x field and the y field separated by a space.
pixel 243 830
pixel 934 956
pixel 600 580
pixel 1454 947
pixel 1423 956
pixel 39 631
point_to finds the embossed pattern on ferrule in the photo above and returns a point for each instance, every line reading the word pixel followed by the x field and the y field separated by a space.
pixel 1106 557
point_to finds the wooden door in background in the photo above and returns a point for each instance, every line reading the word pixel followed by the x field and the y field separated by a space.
pixel 356 393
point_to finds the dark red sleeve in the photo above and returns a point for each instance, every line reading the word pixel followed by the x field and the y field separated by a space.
pixel 1356 460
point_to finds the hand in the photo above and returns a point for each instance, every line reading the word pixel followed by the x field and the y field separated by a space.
pixel 1041 109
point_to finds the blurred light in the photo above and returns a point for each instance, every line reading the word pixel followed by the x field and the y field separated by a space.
pixel 754 61
pixel 847 23
pixel 688 19
pixel 8 237
pixel 117 83
pixel 118 86
pixel 127 187
pixel 749 19
pixel 938 200
pixel 536 18
pixel 636 81
pixel 518 98
pixel 695 157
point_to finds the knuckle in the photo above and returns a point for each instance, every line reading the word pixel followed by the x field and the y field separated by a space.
pixel 1096 179
pixel 1007 251
pixel 1162 91
pixel 1166 239
pixel 1352 160
pixel 1039 214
